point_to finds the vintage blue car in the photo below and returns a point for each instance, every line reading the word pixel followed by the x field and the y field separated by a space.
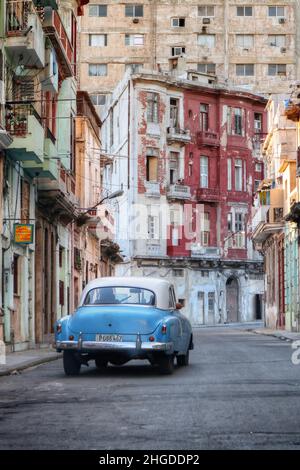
pixel 120 319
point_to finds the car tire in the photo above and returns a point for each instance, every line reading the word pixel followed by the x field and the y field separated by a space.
pixel 166 364
pixel 101 363
pixel 71 363
pixel 183 360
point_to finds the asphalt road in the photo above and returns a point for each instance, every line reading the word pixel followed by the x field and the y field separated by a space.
pixel 241 391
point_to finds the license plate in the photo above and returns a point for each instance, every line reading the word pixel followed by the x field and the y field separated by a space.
pixel 109 338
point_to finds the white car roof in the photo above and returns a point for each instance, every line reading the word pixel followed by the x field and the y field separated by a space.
pixel 159 286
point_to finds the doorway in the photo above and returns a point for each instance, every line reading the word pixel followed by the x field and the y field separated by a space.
pixel 232 300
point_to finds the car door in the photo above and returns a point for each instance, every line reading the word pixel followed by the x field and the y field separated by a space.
pixel 180 337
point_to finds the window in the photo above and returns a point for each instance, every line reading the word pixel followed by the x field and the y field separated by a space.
pixel 153 226
pixel 120 295
pixel 152 107
pixel 204 273
pixel 211 304
pixel 134 10
pixel 178 272
pixel 277 40
pixel 238 175
pixel 229 222
pixel 98 10
pixel 61 293
pixel 61 256
pixel 245 70
pixel 98 100
pixel 16 286
pixel 244 11
pixel 207 40
pixel 134 39
pixel 235 121
pixel 245 40
pixel 206 10
pixel 174 112
pixel 97 70
pixel 178 51
pixel 203 172
pixel 256 185
pixel 239 230
pixel 276 11
pixel 151 168
pixel 204 123
pixel 257 122
pixel 134 68
pixel 174 167
pixel 178 22
pixel 258 167
pixel 276 69
pixel 229 174
pixel 98 40
pixel 206 230
pixel 206 68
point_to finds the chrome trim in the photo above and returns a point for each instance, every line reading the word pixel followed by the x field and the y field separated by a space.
pixel 113 346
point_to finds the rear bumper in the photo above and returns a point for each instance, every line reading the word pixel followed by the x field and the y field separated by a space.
pixel 94 346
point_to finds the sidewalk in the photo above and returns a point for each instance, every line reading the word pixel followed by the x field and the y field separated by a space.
pixel 280 334
pixel 19 361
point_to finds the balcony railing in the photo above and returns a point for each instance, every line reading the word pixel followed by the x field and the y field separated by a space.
pixel 17 118
pixel 152 189
pixel 17 16
pixel 209 138
pixel 208 194
pixel 55 30
pixel 179 191
pixel 175 134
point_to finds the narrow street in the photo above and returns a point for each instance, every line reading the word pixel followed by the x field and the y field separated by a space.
pixel 241 391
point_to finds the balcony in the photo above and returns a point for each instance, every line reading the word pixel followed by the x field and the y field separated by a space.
pixel 269 219
pixel 57 197
pixel 49 168
pixel 152 189
pixel 199 251
pixel 178 191
pixel 208 138
pixel 25 126
pixel 55 31
pixel 177 135
pixel 208 195
pixel 25 38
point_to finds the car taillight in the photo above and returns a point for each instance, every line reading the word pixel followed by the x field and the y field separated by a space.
pixel 151 339
pixel 58 328
pixel 71 338
pixel 164 329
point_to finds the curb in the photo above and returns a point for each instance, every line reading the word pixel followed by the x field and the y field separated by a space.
pixel 27 365
pixel 279 336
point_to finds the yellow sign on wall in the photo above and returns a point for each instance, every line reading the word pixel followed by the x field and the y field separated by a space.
pixel 23 233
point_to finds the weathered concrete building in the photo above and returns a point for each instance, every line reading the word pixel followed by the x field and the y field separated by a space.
pixel 250 44
pixel 186 154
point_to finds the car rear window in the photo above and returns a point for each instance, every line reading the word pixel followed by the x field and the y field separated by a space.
pixel 120 295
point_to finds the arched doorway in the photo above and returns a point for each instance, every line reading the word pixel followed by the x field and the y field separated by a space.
pixel 232 300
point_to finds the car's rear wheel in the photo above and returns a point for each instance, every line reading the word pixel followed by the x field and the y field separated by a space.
pixel 71 363
pixel 183 360
pixel 166 364
pixel 101 363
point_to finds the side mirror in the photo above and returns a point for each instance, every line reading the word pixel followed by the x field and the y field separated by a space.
pixel 179 306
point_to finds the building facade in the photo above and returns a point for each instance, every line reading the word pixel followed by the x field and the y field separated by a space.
pixel 187 156
pixel 43 164
pixel 274 230
pixel 254 45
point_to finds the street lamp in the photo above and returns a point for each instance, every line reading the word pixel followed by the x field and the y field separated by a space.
pixel 114 195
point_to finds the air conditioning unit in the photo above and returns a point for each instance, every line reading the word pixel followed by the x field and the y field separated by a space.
pixel 283 49
pixel 281 20
pixel 206 21
pixel 136 20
